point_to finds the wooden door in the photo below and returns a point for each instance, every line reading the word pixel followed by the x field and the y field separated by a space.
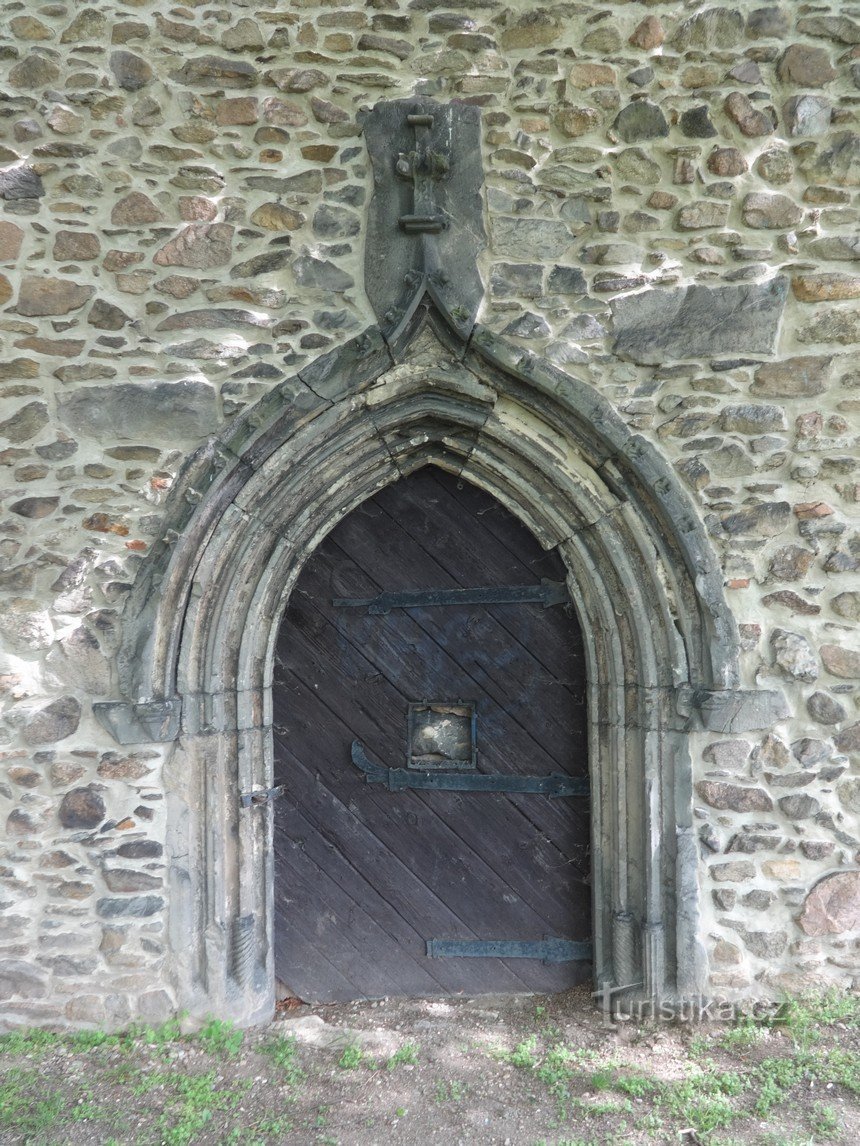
pixel 366 877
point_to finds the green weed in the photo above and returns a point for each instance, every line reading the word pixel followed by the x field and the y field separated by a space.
pixel 282 1051
pixel 407 1055
pixel 351 1057
pixel 220 1038
pixel 826 1122
pixel 452 1091
pixel 25 1108
pixel 35 1042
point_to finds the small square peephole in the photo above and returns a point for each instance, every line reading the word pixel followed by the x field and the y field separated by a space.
pixel 441 735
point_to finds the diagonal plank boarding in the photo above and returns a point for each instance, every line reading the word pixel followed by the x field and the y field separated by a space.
pixel 367 880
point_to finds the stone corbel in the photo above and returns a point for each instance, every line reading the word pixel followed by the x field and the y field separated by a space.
pixel 150 722
pixel 732 710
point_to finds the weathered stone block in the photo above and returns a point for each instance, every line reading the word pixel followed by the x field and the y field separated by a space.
pixel 698 320
pixel 141 410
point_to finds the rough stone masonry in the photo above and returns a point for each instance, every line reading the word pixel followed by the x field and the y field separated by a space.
pixel 671 207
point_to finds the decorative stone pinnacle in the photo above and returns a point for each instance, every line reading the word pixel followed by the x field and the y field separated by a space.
pixel 425 219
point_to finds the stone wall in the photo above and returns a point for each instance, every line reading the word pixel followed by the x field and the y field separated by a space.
pixel 183 194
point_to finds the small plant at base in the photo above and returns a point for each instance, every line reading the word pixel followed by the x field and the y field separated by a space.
pixel 220 1038
pixel 524 1055
pixel 282 1052
pixel 407 1055
pixel 453 1091
pixel 825 1121
pixel 351 1057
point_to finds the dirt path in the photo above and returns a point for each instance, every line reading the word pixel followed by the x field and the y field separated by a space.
pixel 522 1071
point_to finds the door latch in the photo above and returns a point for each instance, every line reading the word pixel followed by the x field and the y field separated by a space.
pixel 260 797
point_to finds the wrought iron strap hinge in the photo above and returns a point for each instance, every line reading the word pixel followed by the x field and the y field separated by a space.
pixel 549 950
pixel 546 594
pixel 260 797
pixel 398 779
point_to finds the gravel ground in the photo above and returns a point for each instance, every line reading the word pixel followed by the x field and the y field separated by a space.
pixel 506 1071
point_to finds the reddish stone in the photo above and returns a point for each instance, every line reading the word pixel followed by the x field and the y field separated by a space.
pixel 11 238
pixel 134 209
pixel 39 296
pixel 81 245
pixel 196 208
pixel 648 34
pixel 242 110
pixel 200 245
pixel 833 905
pixel 809 510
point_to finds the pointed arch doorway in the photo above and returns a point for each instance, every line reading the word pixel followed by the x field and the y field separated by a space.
pixel 433 630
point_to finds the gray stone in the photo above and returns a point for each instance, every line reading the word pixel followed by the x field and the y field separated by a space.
pixel 55 721
pixel 849 794
pixel 522 280
pixel 770 21
pixel 25 423
pixel 136 905
pixel 842 248
pixel 749 842
pixel 704 213
pixel 35 507
pixel 132 73
pixel 799 807
pixel 261 264
pixel 739 710
pixel 837 164
pixel 528 325
pixel 790 563
pixel 763 210
pixel 724 898
pixel 768 519
pixel 758 899
pixel 640 120
pixel 530 238
pixel 566 280
pixel 841 662
pixel 847 605
pixel 794 655
pixel 764 944
pixel 803 376
pixel 730 755
pixel 136 410
pixel 584 328
pixel 737 871
pixel 105 316
pixel 825 709
pixel 848 740
pixel 633 165
pixel 712 28
pixel 733 797
pixel 21 978
pixel 20 183
pixel 752 418
pixel 660 324
pixel 806 115
pixel 216 70
pixel 775 166
pixel 140 849
pixel 696 123
pixel 331 222
pixel 321 274
pixel 82 808
pixel 227 318
pixel 833 324
pixel 839 28
pixel 119 879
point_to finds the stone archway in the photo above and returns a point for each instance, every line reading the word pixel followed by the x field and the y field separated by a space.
pixel 252 504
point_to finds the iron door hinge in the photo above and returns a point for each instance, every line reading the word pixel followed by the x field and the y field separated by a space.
pixel 260 797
